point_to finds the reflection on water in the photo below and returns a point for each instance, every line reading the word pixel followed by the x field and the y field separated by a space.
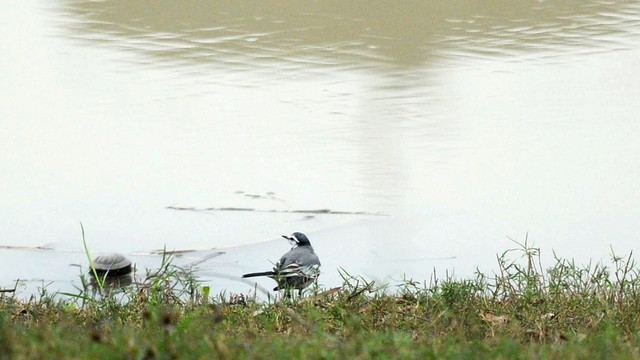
pixel 353 35
pixel 464 121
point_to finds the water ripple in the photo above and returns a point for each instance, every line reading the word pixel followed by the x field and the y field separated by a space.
pixel 330 34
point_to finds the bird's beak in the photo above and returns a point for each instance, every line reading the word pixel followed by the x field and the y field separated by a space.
pixel 286 237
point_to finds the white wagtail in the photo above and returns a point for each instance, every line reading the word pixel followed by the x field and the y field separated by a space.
pixel 297 268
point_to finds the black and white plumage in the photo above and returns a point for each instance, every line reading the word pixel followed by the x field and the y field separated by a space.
pixel 296 269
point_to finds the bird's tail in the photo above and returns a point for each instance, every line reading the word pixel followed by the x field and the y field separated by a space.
pixel 264 273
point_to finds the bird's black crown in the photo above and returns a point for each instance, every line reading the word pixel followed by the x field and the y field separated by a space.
pixel 299 238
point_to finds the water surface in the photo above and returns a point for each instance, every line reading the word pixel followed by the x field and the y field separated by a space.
pixel 457 124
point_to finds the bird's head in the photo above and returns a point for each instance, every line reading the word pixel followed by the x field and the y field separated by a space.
pixel 298 239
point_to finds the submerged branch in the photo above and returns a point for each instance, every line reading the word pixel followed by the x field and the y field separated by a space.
pixel 312 211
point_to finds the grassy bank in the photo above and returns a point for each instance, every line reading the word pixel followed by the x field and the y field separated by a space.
pixel 522 312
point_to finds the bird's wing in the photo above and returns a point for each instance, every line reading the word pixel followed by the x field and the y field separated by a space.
pixel 298 262
pixel 294 270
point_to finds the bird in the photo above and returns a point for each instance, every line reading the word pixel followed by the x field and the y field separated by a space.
pixel 296 269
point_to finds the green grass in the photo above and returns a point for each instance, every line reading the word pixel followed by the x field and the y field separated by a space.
pixel 522 312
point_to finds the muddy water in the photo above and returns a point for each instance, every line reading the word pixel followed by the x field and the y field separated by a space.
pixel 436 131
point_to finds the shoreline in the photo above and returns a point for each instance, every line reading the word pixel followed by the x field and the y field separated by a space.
pixel 524 311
